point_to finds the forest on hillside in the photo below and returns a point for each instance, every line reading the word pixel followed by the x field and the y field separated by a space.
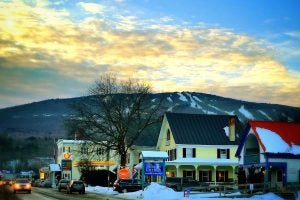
pixel 16 153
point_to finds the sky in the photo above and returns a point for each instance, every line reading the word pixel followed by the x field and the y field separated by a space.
pixel 248 50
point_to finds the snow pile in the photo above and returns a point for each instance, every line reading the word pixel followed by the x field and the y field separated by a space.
pixel 99 189
pixel 281 146
pixel 267 196
pixel 157 191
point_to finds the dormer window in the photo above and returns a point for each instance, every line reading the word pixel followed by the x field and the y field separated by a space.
pixel 168 137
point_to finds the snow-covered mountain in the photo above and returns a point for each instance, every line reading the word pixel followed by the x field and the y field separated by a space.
pixel 46 118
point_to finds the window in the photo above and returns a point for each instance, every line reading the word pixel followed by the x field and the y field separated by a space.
pixel 205 176
pixel 64 149
pixel 189 152
pixel 172 154
pixel 189 174
pixel 84 150
pixel 222 176
pixel 100 151
pixel 168 137
pixel 223 153
pixel 279 175
pixel 69 149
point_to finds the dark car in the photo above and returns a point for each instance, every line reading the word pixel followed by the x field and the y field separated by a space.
pixel 22 185
pixel 180 184
pixel 62 184
pixel 127 185
pixel 76 186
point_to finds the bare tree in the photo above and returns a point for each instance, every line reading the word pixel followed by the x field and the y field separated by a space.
pixel 116 113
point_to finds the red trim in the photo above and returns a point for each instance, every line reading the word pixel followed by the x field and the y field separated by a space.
pixel 289 132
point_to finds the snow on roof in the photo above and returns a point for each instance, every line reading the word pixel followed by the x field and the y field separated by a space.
pixel 54 168
pixel 281 146
pixel 154 154
pixel 204 161
pixel 277 137
pixel 226 129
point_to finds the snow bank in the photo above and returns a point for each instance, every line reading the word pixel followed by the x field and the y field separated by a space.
pixel 267 196
pixel 157 191
pixel 99 189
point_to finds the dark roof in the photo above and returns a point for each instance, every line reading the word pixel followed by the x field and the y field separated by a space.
pixel 202 129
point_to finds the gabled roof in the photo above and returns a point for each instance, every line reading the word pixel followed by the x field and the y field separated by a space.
pixel 202 129
pixel 274 137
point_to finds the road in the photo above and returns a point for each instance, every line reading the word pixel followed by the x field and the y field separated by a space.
pixel 50 194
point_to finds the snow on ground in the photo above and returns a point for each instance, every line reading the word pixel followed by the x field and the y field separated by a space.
pixel 265 114
pixel 182 97
pixel 157 191
pixel 245 112
pixel 169 99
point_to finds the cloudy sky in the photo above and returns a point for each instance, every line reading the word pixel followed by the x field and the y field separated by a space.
pixel 247 50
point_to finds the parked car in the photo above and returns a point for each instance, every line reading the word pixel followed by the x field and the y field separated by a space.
pixel 127 185
pixel 22 185
pixel 45 183
pixel 62 184
pixel 180 184
pixel 76 186
pixel 7 182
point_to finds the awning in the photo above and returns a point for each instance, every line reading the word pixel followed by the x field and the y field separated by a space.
pixel 55 168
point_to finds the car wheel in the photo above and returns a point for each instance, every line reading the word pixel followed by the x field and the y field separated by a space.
pixel 83 192
pixel 59 189
pixel 29 191
pixel 15 191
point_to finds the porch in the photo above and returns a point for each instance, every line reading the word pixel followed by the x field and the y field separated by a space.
pixel 212 171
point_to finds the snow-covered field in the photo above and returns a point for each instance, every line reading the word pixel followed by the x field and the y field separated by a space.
pixel 156 191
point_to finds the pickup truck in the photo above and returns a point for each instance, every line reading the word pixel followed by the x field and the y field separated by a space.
pixel 127 185
pixel 180 184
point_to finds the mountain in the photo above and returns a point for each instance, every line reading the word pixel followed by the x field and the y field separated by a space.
pixel 46 118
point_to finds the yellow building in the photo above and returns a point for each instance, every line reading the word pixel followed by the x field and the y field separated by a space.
pixel 74 154
pixel 201 147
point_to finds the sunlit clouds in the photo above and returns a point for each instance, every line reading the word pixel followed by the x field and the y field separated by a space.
pixel 70 53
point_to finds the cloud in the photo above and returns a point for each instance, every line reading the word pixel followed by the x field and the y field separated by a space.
pixel 172 57
pixel 91 7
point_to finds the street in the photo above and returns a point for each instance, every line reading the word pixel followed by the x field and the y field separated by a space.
pixel 49 194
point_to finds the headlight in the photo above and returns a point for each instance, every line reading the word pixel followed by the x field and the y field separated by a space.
pixel 17 186
pixel 28 185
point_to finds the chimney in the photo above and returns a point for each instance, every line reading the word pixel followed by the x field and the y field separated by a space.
pixel 232 129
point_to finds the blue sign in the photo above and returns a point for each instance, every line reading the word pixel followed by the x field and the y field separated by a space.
pixel 153 168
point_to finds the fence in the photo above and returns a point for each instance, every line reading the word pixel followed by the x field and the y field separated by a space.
pixel 234 189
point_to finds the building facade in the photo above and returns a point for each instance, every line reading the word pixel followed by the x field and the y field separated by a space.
pixel 73 155
pixel 269 152
pixel 201 147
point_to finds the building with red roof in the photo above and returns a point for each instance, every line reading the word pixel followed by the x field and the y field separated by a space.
pixel 269 152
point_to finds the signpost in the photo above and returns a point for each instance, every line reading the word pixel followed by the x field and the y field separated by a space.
pixel 153 165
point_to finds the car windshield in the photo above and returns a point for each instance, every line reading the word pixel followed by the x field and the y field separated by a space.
pixel 22 181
